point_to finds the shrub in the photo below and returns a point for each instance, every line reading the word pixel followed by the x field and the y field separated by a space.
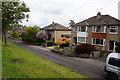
pixel 41 38
pixel 40 41
pixel 63 42
pixel 16 35
pixel 51 44
pixel 30 34
pixel 84 48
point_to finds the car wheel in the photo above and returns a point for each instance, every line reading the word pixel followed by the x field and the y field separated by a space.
pixel 111 76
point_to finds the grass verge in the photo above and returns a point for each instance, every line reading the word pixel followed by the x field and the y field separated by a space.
pixel 20 63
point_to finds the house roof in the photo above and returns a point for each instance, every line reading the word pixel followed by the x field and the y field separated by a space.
pixel 55 26
pixel 100 20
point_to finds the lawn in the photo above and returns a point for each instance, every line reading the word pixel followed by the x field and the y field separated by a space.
pixel 20 63
pixel 0 58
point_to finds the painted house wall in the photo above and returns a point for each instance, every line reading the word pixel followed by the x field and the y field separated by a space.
pixel 59 33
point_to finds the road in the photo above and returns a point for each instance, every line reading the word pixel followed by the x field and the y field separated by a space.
pixel 92 68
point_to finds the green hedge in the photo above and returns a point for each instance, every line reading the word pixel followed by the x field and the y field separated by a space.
pixel 51 44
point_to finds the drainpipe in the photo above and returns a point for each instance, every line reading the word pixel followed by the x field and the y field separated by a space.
pixel 119 10
pixel 55 36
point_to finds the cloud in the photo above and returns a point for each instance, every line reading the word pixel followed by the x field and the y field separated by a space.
pixel 44 12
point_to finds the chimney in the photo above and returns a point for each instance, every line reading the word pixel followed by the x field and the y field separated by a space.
pixel 119 10
pixel 53 22
pixel 99 15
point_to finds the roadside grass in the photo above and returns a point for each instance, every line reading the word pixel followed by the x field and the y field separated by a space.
pixel 20 63
pixel 0 58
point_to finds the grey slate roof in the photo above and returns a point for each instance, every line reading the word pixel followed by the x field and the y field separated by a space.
pixel 55 26
pixel 100 20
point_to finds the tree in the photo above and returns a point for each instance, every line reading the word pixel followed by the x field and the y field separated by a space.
pixel 12 14
pixel 41 35
pixel 29 34
pixel 41 38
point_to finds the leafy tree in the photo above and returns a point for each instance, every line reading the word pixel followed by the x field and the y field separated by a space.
pixel 12 14
pixel 30 34
pixel 41 38
pixel 41 35
pixel 16 35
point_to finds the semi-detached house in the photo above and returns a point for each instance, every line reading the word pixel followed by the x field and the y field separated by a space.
pixel 103 31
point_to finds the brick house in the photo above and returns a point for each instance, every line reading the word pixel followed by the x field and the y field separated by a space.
pixel 56 31
pixel 103 31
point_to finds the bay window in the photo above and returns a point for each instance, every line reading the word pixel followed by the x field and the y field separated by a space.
pixel 82 39
pixel 100 42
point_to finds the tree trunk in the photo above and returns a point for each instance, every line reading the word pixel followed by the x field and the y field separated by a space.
pixel 5 40
pixel 2 37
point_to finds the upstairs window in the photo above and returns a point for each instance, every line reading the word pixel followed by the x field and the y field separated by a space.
pixel 99 29
pixel 75 29
pixel 113 30
pixel 82 28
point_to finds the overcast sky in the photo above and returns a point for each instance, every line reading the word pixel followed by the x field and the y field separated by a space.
pixel 44 12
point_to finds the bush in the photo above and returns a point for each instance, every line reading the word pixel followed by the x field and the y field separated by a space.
pixel 41 38
pixel 16 35
pixel 40 41
pixel 30 34
pixel 84 48
pixel 51 44
pixel 63 42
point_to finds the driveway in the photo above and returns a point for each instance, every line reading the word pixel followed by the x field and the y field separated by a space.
pixel 93 68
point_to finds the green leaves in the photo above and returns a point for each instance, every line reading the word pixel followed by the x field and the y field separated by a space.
pixel 13 13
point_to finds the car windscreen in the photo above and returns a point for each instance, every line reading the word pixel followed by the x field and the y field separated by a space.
pixel 114 62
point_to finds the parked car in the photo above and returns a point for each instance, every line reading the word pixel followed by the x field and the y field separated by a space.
pixel 112 66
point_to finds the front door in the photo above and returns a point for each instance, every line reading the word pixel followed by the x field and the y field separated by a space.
pixel 75 40
pixel 112 45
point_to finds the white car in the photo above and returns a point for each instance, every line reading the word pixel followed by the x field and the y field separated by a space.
pixel 112 66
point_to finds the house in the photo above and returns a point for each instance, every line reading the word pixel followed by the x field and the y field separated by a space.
pixel 56 31
pixel 103 31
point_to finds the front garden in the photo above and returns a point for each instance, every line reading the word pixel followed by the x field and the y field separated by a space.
pixel 32 35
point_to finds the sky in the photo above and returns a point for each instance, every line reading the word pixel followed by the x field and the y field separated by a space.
pixel 44 12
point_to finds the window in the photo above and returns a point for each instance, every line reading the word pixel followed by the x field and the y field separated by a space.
pixel 82 28
pixel 100 42
pixel 82 39
pixel 113 30
pixel 99 29
pixel 114 62
pixel 75 29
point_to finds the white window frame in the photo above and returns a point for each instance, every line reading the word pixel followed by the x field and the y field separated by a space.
pixel 113 28
pixel 94 29
pixel 79 28
pixel 98 44
pixel 75 29
pixel 80 41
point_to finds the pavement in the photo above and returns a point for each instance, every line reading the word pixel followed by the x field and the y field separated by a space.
pixel 92 68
